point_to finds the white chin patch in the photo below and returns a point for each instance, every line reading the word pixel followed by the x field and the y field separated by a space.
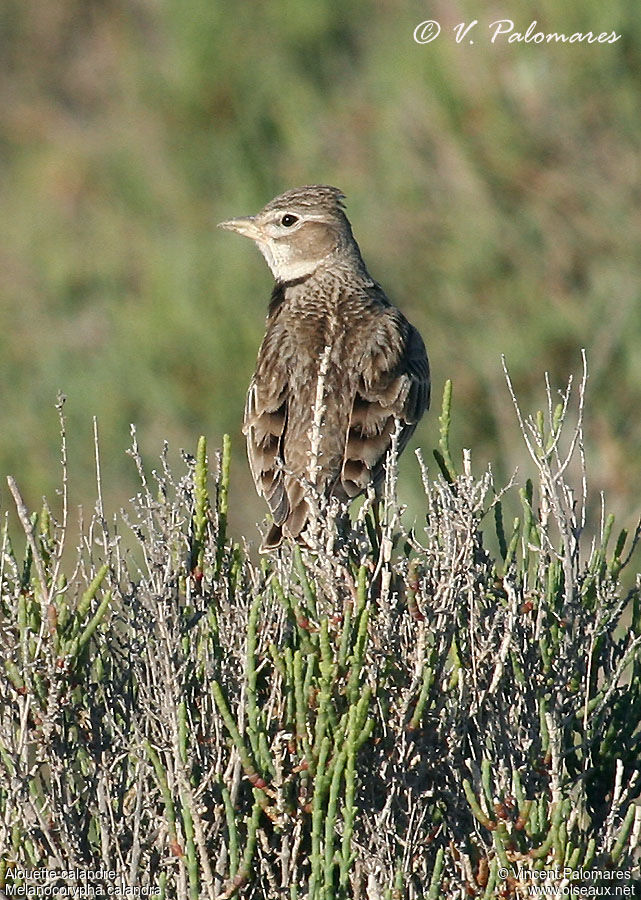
pixel 282 268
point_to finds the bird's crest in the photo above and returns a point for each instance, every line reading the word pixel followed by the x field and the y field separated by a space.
pixel 310 197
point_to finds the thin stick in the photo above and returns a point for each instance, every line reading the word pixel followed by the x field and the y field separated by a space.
pixel 319 412
pixel 25 521
pixel 65 495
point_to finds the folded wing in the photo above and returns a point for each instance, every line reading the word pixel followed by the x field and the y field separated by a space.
pixel 265 423
pixel 393 385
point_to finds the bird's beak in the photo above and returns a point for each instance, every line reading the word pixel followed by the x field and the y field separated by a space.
pixel 246 225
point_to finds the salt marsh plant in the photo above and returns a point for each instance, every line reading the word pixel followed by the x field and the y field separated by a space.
pixel 436 712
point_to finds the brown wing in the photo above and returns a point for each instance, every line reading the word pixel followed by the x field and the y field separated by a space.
pixel 264 425
pixel 394 384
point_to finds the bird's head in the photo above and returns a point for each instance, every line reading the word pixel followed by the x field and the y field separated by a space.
pixel 299 231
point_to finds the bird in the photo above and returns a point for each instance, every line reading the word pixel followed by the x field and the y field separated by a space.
pixel 327 319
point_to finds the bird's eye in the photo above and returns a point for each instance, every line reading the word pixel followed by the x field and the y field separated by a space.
pixel 288 220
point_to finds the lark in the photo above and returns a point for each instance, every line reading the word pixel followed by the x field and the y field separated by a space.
pixel 327 319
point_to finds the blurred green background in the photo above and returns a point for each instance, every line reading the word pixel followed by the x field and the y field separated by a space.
pixel 494 190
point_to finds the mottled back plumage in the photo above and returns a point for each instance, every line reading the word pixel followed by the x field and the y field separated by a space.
pixel 377 372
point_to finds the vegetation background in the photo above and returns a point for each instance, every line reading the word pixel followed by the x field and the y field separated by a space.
pixel 494 190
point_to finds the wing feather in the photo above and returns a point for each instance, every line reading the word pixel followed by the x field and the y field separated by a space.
pixel 394 385
pixel 265 424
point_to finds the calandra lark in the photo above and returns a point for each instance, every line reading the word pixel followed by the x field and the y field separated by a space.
pixel 326 313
